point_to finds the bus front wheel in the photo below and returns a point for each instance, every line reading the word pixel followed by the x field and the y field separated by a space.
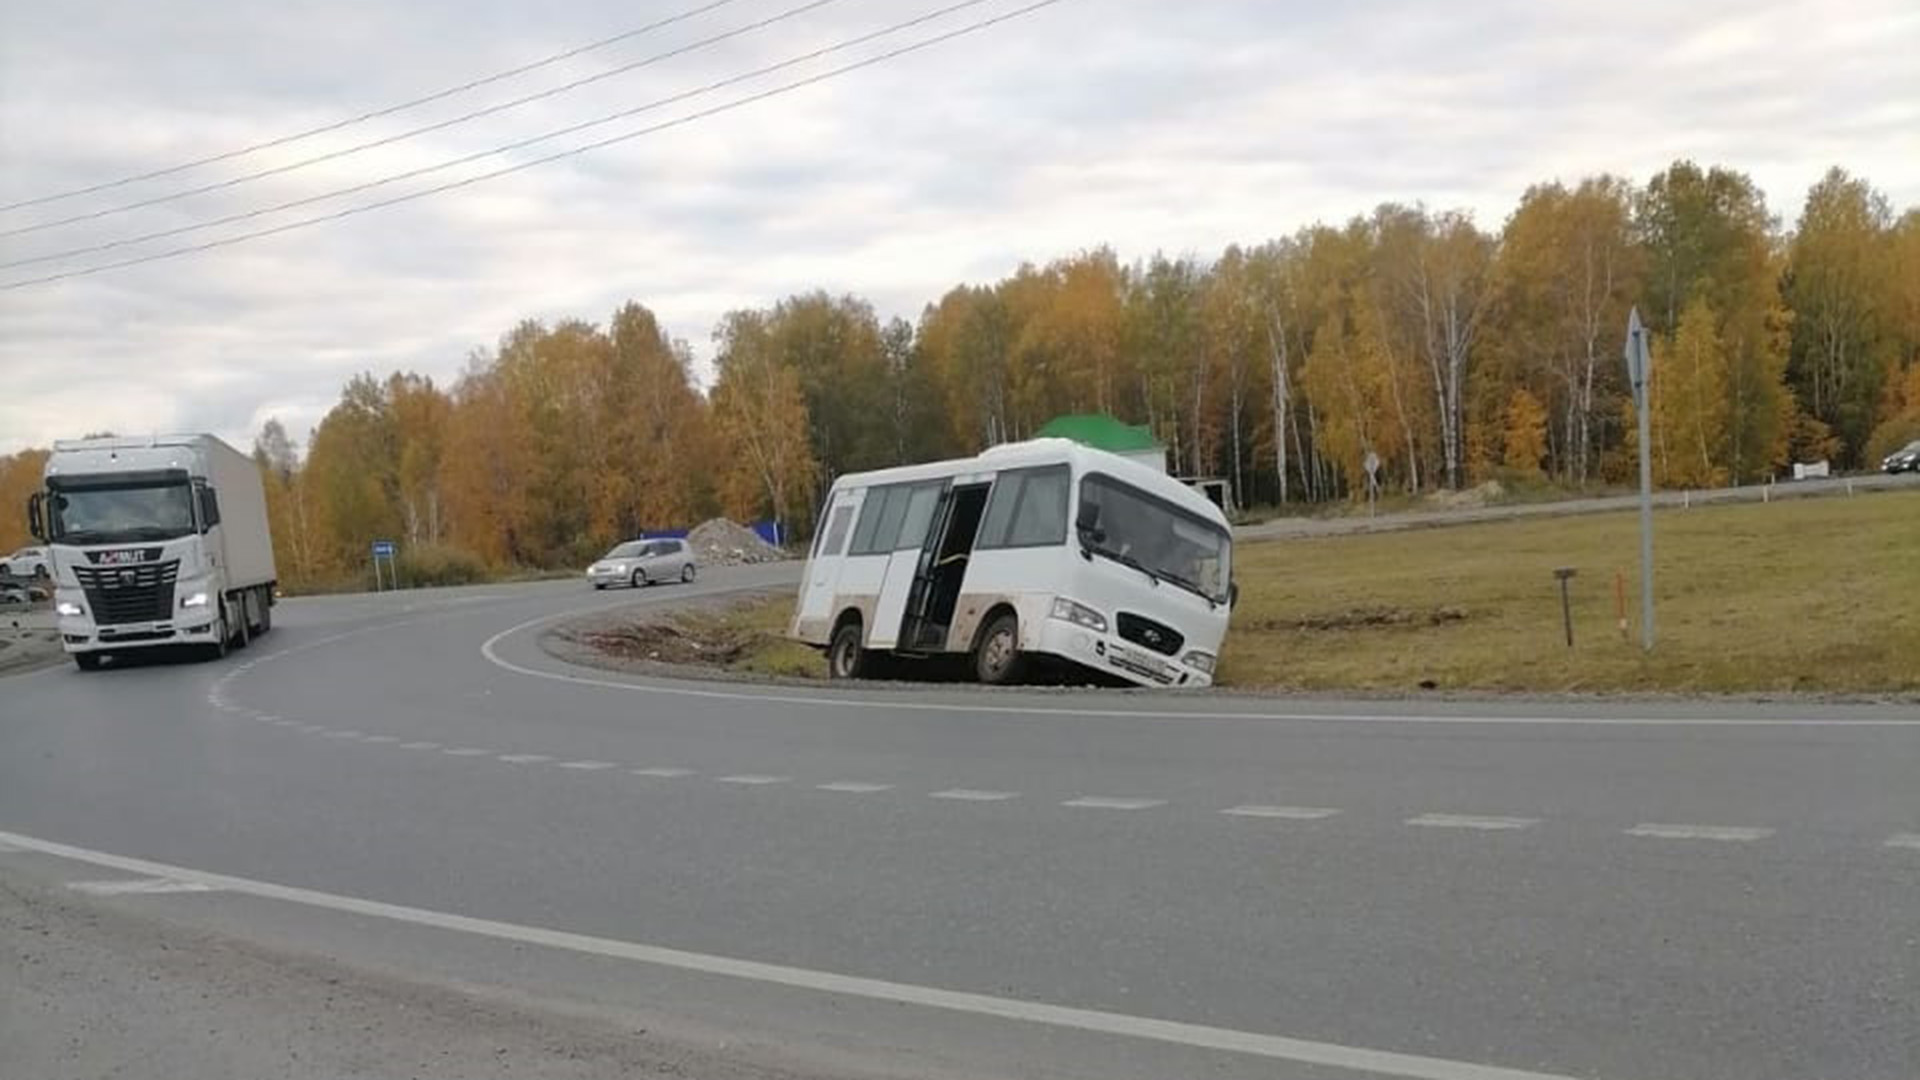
pixel 996 659
pixel 846 658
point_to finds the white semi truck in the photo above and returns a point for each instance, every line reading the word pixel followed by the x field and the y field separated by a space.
pixel 155 541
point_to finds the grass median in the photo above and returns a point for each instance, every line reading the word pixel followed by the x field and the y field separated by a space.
pixel 1816 595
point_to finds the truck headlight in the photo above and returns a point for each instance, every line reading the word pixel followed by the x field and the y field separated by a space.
pixel 1199 661
pixel 68 607
pixel 194 599
pixel 1079 615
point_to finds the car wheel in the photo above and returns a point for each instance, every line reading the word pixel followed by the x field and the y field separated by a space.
pixel 41 572
pixel 598 585
pixel 639 579
pixel 686 574
pixel 846 658
pixel 87 661
pixel 996 659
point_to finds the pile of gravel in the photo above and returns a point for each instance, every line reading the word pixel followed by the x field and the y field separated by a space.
pixel 722 543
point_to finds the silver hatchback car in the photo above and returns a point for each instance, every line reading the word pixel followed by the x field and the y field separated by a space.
pixel 643 562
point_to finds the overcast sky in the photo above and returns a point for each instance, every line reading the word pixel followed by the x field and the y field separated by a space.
pixel 1144 124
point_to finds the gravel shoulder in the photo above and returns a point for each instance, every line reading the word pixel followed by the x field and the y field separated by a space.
pixel 28 640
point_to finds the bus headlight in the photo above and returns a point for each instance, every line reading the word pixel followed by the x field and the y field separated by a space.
pixel 68 608
pixel 1199 661
pixel 1079 615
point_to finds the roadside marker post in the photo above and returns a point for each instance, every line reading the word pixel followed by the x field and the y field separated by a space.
pixel 1639 371
pixel 1563 575
pixel 384 549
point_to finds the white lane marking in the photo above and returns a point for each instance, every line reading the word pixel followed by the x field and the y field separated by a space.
pixel 1472 821
pixel 1905 840
pixel 7 849
pixel 752 778
pixel 855 787
pixel 1200 1036
pixel 1096 802
pixel 972 795
pixel 312 729
pixel 662 772
pixel 269 718
pixel 525 759
pixel 1291 813
pixel 1732 833
pixel 466 751
pixel 588 766
pixel 378 738
pixel 900 703
pixel 138 887
pixel 419 746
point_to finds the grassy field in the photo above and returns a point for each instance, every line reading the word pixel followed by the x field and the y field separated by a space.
pixel 1820 594
pixel 1807 595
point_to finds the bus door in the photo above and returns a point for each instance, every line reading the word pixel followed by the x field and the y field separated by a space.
pixel 941 567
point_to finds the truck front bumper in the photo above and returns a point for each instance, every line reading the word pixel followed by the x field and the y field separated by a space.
pixel 80 635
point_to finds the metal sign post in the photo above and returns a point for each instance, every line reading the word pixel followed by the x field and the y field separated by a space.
pixel 1639 372
pixel 384 549
pixel 1372 465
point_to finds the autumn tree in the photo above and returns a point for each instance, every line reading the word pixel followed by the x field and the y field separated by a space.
pixel 1843 297
pixel 1691 410
pixel 1524 442
pixel 21 475
pixel 760 414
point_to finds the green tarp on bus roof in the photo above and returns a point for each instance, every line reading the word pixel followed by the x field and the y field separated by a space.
pixel 1101 432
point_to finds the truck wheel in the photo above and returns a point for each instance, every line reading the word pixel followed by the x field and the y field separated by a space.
pixel 87 661
pixel 996 659
pixel 846 659
pixel 245 635
pixel 266 613
pixel 218 650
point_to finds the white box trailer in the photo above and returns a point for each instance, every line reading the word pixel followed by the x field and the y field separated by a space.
pixel 155 541
pixel 1044 547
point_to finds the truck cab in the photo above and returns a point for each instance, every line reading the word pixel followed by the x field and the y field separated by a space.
pixel 151 542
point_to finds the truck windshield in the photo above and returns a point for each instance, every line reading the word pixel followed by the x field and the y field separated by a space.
pixel 1156 537
pixel 113 515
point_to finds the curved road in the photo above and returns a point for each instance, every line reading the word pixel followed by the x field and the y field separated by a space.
pixel 951 882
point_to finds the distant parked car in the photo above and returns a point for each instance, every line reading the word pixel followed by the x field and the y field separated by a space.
pixel 643 562
pixel 1905 459
pixel 27 562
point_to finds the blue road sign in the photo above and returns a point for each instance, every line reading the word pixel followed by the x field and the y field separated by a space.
pixel 383 549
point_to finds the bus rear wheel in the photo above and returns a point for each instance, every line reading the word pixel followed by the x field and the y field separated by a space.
pixel 996 658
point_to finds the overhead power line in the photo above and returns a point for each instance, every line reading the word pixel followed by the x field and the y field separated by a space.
pixel 548 136
pixel 438 95
pixel 388 140
pixel 680 121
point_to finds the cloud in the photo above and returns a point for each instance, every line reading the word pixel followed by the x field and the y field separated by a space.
pixel 1135 123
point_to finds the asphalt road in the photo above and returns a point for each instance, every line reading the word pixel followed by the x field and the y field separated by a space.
pixel 404 799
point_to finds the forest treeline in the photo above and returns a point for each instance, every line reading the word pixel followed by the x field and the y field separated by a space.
pixel 1452 352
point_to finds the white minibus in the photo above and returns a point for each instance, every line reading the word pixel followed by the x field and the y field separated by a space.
pixel 1044 547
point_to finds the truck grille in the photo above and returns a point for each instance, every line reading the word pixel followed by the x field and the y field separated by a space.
pixel 1147 633
pixel 142 592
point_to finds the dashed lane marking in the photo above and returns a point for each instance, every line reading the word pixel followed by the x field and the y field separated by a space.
pixel 138 887
pixel 1290 813
pixel 1065 1017
pixel 378 738
pixel 1472 821
pixel 661 772
pixel 973 795
pixel 1096 802
pixel 1904 840
pixel 752 779
pixel 525 759
pixel 419 746
pixel 343 734
pixel 855 787
pixel 1730 833
pixel 588 766
pixel 466 751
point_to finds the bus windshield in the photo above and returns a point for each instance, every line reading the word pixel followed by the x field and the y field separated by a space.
pixel 1153 535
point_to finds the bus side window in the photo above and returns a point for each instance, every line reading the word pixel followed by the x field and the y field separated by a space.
pixel 837 531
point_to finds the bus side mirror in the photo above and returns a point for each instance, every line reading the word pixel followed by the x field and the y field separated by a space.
pixel 1087 523
pixel 37 517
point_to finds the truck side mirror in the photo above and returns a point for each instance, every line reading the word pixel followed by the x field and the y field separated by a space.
pixel 37 517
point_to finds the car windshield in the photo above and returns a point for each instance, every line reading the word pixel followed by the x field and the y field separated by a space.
pixel 632 549
pixel 1146 532
pixel 112 515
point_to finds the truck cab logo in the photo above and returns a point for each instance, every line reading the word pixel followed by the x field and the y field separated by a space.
pixel 128 577
pixel 120 558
